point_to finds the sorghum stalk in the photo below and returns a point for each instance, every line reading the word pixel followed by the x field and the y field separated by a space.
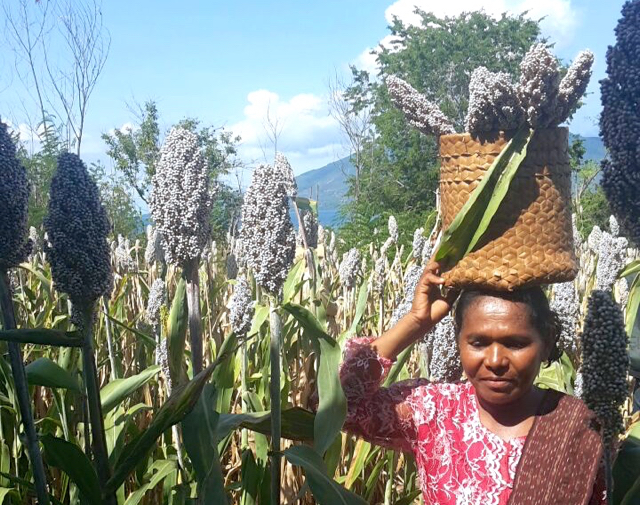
pixel 240 316
pixel 274 391
pixel 107 326
pixel 90 377
pixel 308 255
pixel 15 248
pixel 388 490
pixel 244 388
pixel 22 391
pixel 192 277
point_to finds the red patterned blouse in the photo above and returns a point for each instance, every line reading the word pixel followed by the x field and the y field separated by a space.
pixel 459 461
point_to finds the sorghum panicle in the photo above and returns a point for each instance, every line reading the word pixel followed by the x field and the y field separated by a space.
pixel 77 227
pixel 612 256
pixel 268 239
pixel 180 199
pixel 420 112
pixel 393 229
pixel 231 266
pixel 310 225
pixel 157 298
pixel 153 253
pixel 566 305
pixel 605 361
pixel 241 307
pixel 349 268
pixel 574 85
pixel 445 364
pixel 493 102
pixel 15 245
pixel 285 174
pixel 539 86
pixel 620 122
pixel 418 243
pixel 124 261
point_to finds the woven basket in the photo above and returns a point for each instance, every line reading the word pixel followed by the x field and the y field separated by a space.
pixel 530 239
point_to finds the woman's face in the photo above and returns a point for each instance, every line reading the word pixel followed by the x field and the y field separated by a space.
pixel 500 350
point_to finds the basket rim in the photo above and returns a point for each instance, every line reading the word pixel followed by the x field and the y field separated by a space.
pixel 495 134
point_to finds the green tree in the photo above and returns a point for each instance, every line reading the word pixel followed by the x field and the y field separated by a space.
pixel 124 215
pixel 135 151
pixel 40 166
pixel 399 167
pixel 590 203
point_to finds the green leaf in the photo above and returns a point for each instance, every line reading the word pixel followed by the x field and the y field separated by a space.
pixel 325 490
pixel 117 390
pixel 396 368
pixel 251 476
pixel 408 499
pixel 201 443
pixel 309 323
pixel 158 472
pixel 361 306
pixel 633 306
pixel 473 220
pixel 147 339
pixel 360 454
pixel 307 204
pixel 42 336
pixel 178 405
pixel 297 423
pixel 293 282
pixel 44 372
pixel 260 316
pixel 8 491
pixel 626 471
pixel 558 375
pixel 46 283
pixel 631 268
pixel 224 376
pixel 177 332
pixel 332 406
pixel 71 460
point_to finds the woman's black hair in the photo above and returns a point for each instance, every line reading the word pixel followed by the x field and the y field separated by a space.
pixel 542 318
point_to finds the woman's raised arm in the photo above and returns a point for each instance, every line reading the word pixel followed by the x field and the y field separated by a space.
pixel 385 415
pixel 428 307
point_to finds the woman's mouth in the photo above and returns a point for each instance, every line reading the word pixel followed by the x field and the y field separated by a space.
pixel 498 383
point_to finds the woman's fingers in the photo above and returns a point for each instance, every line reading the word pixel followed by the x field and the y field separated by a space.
pixel 433 278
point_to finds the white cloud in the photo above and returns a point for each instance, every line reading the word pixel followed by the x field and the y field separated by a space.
pixel 367 59
pixel 309 136
pixel 559 23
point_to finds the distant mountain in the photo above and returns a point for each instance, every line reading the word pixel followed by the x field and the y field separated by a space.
pixel 594 147
pixel 330 180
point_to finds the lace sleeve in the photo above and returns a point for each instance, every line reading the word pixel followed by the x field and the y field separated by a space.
pixel 380 415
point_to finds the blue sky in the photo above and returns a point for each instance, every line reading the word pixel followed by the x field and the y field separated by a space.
pixel 227 62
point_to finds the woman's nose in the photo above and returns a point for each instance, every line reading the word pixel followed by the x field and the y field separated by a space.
pixel 495 358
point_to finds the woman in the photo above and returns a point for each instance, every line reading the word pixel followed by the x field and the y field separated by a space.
pixel 496 438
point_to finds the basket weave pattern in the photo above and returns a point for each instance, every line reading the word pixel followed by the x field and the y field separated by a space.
pixel 530 239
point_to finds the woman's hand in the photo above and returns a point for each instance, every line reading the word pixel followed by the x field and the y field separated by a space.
pixel 429 306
